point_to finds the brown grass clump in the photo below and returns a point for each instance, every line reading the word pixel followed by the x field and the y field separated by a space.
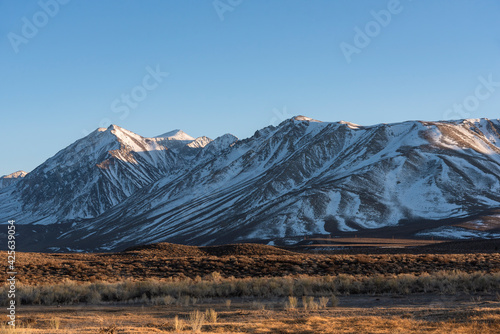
pixel 292 303
pixel 178 324
pixel 211 316
pixel 196 321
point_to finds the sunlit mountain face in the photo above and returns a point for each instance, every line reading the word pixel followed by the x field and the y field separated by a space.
pixel 114 188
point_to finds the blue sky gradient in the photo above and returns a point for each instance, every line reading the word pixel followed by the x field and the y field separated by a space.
pixel 265 60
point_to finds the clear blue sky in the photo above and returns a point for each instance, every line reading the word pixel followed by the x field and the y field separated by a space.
pixel 264 59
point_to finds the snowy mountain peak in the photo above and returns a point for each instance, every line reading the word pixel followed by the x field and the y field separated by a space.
pixel 200 142
pixel 176 135
pixel 15 175
pixel 112 129
pixel 220 144
pixel 12 178
pixel 228 137
pixel 304 118
pixel 350 125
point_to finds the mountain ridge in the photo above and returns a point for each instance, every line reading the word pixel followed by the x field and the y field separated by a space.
pixel 306 177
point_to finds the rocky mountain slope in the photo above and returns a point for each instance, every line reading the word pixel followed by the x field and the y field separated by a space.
pixel 302 177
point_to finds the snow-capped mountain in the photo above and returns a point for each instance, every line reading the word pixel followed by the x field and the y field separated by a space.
pixel 300 178
pixel 96 173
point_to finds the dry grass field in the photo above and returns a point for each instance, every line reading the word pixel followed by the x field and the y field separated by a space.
pixel 354 314
pixel 163 261
pixel 260 289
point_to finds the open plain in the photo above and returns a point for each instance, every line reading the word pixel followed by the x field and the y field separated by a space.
pixel 248 288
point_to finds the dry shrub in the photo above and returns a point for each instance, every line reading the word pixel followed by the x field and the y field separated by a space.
pixel 178 324
pixel 196 321
pixel 168 300
pixel 334 300
pixel 323 302
pixel 183 300
pixel 108 330
pixel 292 303
pixel 54 323
pixel 211 316
pixel 308 303
pixel 228 303
pixel 258 305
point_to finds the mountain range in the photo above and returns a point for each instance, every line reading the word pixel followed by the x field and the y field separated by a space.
pixel 114 189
